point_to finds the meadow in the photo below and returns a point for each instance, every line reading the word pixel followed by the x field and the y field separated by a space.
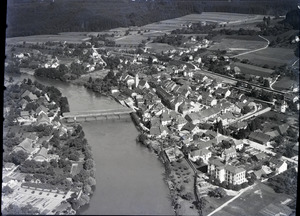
pixel 254 70
pixel 258 200
pixel 237 44
pixel 271 57
pixel 69 38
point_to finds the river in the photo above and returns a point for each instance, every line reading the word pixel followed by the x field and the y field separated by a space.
pixel 129 177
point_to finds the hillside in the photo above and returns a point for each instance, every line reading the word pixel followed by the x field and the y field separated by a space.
pixel 30 17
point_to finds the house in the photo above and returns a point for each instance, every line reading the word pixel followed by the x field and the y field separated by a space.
pixel 143 84
pixel 211 134
pixel 185 108
pixel 204 154
pixel 259 173
pixel 23 103
pixel 42 155
pixel 278 165
pixel 25 114
pixel 229 153
pixel 226 118
pixel 173 154
pixel 176 102
pixel 222 93
pixel 30 95
pixel 226 173
pixel 260 137
pixel 260 156
pixel 26 146
pixel 190 128
pixel 193 118
pixel 282 129
pixel 209 101
pixel 165 119
pixel 179 122
pixel 114 90
pixel 239 144
pixel 40 109
pixel 9 166
pixel 281 106
pixel 238 126
pixel 43 119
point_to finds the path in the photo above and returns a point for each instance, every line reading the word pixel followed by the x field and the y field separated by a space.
pixel 271 85
pixel 252 51
pixel 232 199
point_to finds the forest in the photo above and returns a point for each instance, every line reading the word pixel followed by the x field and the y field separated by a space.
pixel 32 17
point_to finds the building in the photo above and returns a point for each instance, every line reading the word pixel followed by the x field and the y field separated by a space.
pixel 259 137
pixel 229 153
pixel 226 173
pixel 26 146
pixel 173 154
pixel 43 119
pixel 197 154
pixel 194 118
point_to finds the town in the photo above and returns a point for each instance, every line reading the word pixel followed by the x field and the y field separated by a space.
pixel 223 125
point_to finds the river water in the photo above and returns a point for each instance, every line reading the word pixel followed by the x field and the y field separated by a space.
pixel 129 177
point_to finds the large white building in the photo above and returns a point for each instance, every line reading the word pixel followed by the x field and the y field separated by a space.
pixel 228 173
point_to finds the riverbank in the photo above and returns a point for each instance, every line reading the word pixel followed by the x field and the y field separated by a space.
pixel 179 178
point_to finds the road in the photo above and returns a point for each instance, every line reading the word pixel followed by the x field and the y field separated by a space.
pixel 104 63
pixel 252 51
pixel 271 85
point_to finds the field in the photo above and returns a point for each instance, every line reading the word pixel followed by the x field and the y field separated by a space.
pixel 159 47
pixel 284 83
pixel 261 200
pixel 69 38
pixel 271 57
pixel 165 26
pixel 254 70
pixel 237 44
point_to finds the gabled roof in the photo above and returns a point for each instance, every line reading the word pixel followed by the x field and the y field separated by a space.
pixel 260 156
pixel 283 128
pixel 189 127
pixel 200 152
pixel 41 108
pixel 43 118
pixel 43 153
pixel 259 136
pixel 229 150
pixel 25 145
pixel 155 130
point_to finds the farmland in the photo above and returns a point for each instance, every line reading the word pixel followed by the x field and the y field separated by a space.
pixel 254 70
pixel 284 83
pixel 69 38
pixel 159 47
pixel 238 44
pixel 165 26
pixel 262 198
pixel 271 57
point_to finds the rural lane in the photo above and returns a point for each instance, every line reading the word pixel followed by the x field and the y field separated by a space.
pixel 252 51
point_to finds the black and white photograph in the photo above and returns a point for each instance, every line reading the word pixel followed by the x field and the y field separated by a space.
pixel 150 107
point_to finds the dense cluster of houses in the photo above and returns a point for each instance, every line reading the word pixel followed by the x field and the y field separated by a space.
pixel 184 108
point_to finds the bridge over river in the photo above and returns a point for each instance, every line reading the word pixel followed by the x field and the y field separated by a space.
pixel 97 115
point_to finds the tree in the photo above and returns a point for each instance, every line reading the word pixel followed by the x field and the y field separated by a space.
pixel 87 189
pixel 88 164
pixel 91 181
pixel 266 83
